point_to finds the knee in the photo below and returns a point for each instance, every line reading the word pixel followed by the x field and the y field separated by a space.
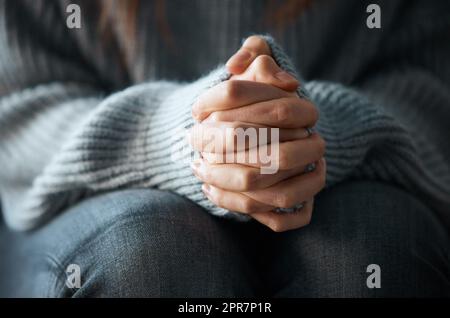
pixel 378 213
pixel 362 223
pixel 126 258
pixel 132 240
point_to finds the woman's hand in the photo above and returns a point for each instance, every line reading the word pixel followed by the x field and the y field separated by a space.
pixel 259 95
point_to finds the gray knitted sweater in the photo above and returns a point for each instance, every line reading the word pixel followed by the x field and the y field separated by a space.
pixel 79 117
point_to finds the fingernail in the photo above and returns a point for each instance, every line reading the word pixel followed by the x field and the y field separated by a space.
pixel 206 188
pixel 239 58
pixel 285 77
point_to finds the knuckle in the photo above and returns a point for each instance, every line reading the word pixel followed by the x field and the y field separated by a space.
pixel 232 90
pixel 276 226
pixel 255 40
pixel 321 146
pixel 206 175
pixel 207 142
pixel 215 199
pixel 283 159
pixel 263 60
pixel 282 200
pixel 249 206
pixel 312 112
pixel 249 180
pixel 228 133
pixel 218 200
pixel 283 112
pixel 216 116
pixel 200 100
pixel 228 146
pixel 234 126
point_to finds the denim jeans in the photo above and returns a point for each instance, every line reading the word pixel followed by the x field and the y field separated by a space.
pixel 152 243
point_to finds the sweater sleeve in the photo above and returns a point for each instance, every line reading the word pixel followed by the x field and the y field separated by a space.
pixel 63 137
pixel 393 125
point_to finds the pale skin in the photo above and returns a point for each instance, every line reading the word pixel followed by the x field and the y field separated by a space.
pixel 260 94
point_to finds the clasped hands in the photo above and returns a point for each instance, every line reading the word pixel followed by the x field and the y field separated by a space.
pixel 259 94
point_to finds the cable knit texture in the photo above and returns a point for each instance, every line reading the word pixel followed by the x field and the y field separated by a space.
pixel 79 116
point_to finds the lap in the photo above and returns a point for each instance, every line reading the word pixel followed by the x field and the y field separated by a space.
pixel 154 243
pixel 166 243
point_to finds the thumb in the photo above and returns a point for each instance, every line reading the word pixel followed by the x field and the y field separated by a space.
pixel 265 70
pixel 252 47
